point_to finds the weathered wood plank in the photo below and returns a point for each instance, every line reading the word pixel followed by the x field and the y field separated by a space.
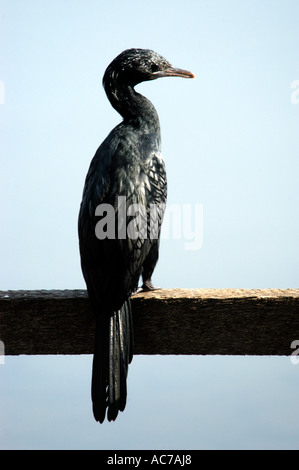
pixel 174 321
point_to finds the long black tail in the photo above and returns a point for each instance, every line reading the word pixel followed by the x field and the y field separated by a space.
pixel 112 354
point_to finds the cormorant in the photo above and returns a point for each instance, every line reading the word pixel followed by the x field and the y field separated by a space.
pixel 127 169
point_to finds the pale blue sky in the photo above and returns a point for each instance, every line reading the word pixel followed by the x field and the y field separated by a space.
pixel 230 143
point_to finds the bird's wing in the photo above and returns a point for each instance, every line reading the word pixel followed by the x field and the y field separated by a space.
pixel 112 266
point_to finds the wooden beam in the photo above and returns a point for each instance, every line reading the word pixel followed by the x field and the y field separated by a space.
pixel 174 321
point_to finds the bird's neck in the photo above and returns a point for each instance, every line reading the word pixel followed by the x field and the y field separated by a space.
pixel 134 107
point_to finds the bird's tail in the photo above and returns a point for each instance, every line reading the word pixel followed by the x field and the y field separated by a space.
pixel 112 354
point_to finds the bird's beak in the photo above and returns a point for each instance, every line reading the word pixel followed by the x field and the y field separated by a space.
pixel 174 72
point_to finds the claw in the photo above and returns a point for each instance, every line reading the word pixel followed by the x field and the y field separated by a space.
pixel 147 286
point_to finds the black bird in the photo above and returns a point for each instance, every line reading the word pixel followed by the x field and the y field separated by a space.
pixel 127 169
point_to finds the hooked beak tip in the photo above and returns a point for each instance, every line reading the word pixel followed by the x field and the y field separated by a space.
pixel 175 72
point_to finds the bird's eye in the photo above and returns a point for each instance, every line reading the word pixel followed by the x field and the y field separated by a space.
pixel 154 67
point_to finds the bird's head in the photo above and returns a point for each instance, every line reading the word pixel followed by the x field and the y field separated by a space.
pixel 134 66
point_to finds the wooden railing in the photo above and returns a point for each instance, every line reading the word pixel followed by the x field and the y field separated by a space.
pixel 174 321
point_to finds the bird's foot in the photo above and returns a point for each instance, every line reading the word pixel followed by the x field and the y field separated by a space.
pixel 147 286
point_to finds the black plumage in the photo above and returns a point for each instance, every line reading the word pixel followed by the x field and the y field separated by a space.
pixel 127 169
